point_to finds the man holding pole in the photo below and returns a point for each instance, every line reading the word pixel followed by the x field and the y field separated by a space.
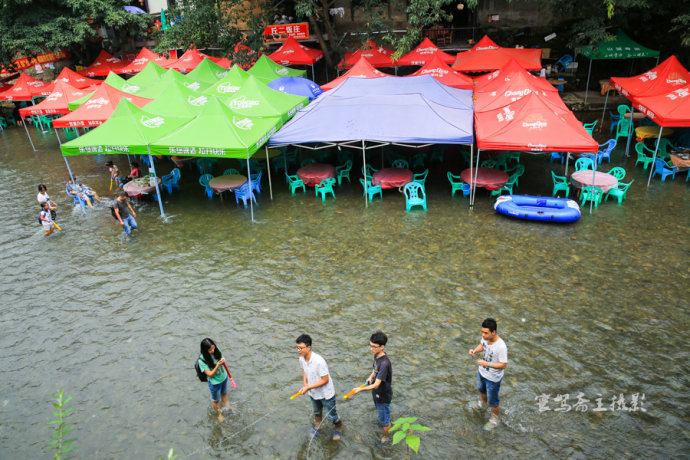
pixel 317 381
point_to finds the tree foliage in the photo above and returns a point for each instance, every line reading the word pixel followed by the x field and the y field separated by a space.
pixel 31 27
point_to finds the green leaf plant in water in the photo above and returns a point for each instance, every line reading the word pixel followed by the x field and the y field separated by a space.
pixel 62 428
pixel 403 428
pixel 171 455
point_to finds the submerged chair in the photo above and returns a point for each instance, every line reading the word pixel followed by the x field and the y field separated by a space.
pixel 591 193
pixel 230 171
pixel 371 189
pixel 557 156
pixel 295 182
pixel 584 163
pixel 663 169
pixel 618 173
pixel 344 155
pixel 589 127
pixel 488 164
pixel 244 193
pixel 369 171
pixel 414 196
pixel 418 160
pixel 343 172
pixel 624 124
pixel 517 170
pixel 605 150
pixel 614 120
pixel 456 184
pixel 640 148
pixel 508 186
pixel 437 153
pixel 560 183
pixel 421 177
pixel 400 164
pixel 204 180
pixel 307 161
pixel 619 191
pixel 205 165
pixel 171 180
pixel 326 186
pixel 665 148
pixel 256 182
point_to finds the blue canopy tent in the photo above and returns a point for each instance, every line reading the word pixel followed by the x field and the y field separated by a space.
pixel 410 111
pixel 298 86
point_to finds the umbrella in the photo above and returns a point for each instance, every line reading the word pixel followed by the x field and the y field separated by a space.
pixel 134 9
pixel 298 86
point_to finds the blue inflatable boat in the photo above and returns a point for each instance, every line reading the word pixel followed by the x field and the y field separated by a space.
pixel 538 208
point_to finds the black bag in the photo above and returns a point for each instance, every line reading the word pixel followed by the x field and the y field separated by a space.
pixel 199 373
pixel 112 212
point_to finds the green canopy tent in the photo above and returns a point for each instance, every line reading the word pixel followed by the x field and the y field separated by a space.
pixel 149 76
pixel 620 47
pixel 129 130
pixel 230 83
pixel 168 77
pixel 207 73
pixel 178 100
pixel 219 132
pixel 255 99
pixel 266 70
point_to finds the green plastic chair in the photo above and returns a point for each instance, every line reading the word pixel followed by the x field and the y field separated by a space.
pixel 343 172
pixel 437 153
pixel 370 170
pixel 488 164
pixel 508 186
pixel 623 125
pixel 589 127
pixel 584 163
pixel 307 161
pixel 513 155
pixel 456 183
pixel 414 196
pixel 3 122
pixel 591 193
pixel 640 148
pixel 421 177
pixel 326 186
pixel 517 170
pixel 230 171
pixel 295 182
pixel 618 173
pixel 619 191
pixel 371 189
pixel 501 161
pixel 400 164
pixel 665 148
pixel 560 183
pixel 418 160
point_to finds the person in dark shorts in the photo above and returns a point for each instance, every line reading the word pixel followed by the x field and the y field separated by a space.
pixel 125 214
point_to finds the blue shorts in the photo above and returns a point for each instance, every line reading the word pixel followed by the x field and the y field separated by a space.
pixel 318 405
pixel 383 411
pixel 217 390
pixel 489 388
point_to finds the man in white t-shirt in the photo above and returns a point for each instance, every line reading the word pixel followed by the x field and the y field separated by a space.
pixel 317 381
pixel 490 368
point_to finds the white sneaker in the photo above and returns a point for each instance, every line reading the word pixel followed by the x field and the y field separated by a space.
pixel 491 424
pixel 478 405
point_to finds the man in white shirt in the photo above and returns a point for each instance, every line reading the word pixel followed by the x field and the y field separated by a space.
pixel 317 381
pixel 490 369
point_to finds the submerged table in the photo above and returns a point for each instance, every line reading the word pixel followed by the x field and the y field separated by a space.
pixel 488 178
pixel 392 177
pixel 583 178
pixel 142 186
pixel 651 132
pixel 228 182
pixel 314 173
pixel 681 159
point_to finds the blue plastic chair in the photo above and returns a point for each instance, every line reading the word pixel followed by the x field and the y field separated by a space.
pixel 557 156
pixel 171 180
pixel 204 180
pixel 256 182
pixel 421 177
pixel 326 186
pixel 400 164
pixel 605 150
pixel 343 172
pixel 205 165
pixel 295 182
pixel 614 120
pixel 563 62
pixel 584 163
pixel 371 189
pixel 77 199
pixel 244 193
pixel 663 169
pixel 414 196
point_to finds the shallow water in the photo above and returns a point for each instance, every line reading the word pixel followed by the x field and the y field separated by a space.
pixel 598 307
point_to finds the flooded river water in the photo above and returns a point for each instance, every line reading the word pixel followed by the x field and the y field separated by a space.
pixel 597 309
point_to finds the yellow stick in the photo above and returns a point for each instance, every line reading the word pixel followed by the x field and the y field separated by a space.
pixel 57 226
pixel 295 395
pixel 353 392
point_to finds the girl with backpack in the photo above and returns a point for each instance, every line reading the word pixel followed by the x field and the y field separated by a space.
pixel 211 365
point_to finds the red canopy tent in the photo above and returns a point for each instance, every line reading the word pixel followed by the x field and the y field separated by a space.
pixel 487 56
pixel 139 62
pixel 103 65
pixel 98 108
pixel 188 61
pixel 361 69
pixel 507 72
pixel 669 109
pixel 376 55
pixel 423 53
pixel 24 89
pixel 56 102
pixel 444 74
pixel 663 78
pixel 500 92
pixel 223 62
pixel 75 79
pixel 293 53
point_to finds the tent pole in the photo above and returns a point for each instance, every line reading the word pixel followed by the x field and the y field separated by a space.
pixel 630 129
pixel 588 75
pixel 158 190
pixel 268 168
pixel 364 170
pixel 29 135
pixel 651 170
pixel 251 193
pixel 474 178
pixel 567 159
pixel 603 113
pixel 69 170
pixel 471 172
pixel 285 161
pixel 594 176
pixel 313 76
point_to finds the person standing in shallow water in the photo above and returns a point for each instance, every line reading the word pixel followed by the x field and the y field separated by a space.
pixel 491 368
pixel 317 381
pixel 379 382
pixel 211 363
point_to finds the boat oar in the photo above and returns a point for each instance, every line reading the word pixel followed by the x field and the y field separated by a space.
pixel 353 391
pixel 229 376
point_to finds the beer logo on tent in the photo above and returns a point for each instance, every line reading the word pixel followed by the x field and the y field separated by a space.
pixel 140 61
pixel 55 96
pixel 506 115
pixel 534 121
pixel 244 123
pixel 193 86
pixel 129 88
pixel 221 74
pixel 429 50
pixel 288 51
pixel 96 103
pixel 227 87
pixel 482 48
pixel 674 78
pixel 197 101
pixel 155 122
pixel 241 102
pixel 110 59
pixel 515 95
pixel 283 71
pixel 437 72
pixel 35 83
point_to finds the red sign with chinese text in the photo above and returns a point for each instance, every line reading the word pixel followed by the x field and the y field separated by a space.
pixel 26 62
pixel 280 32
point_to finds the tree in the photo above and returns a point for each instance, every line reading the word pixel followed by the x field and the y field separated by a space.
pixel 31 27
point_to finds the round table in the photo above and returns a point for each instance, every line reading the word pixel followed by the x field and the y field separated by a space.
pixel 138 187
pixel 261 154
pixel 178 160
pixel 314 173
pixel 229 182
pixel 681 159
pixel 583 178
pixel 651 132
pixel 488 178
pixel 636 115
pixel 392 177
